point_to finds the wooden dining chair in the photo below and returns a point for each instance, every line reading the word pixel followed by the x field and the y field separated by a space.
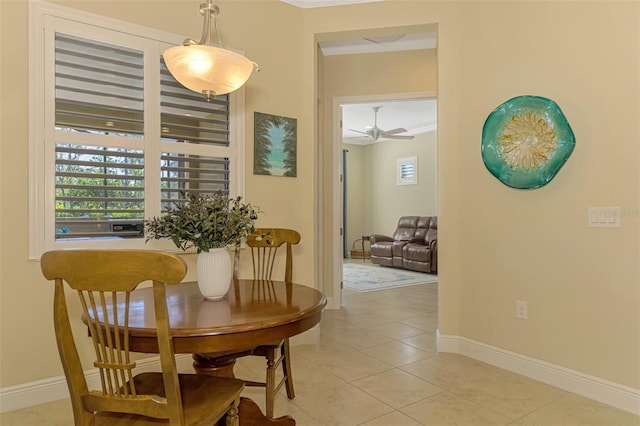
pixel 264 244
pixel 104 279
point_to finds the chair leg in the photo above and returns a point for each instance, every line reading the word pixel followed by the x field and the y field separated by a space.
pixel 286 369
pixel 272 355
pixel 271 381
pixel 232 415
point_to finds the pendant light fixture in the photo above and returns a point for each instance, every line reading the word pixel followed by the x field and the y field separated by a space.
pixel 207 69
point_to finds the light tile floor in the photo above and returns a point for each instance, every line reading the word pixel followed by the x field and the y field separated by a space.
pixel 376 365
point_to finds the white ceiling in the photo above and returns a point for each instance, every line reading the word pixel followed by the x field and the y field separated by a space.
pixel 415 115
pixel 376 44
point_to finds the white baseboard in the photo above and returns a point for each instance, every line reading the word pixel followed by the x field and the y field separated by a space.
pixel 55 388
pixel 605 391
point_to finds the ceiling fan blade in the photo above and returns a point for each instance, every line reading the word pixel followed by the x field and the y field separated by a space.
pixel 376 133
pixel 399 137
pixel 394 131
pixel 358 131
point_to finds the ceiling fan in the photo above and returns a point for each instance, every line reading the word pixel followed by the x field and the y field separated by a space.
pixel 376 133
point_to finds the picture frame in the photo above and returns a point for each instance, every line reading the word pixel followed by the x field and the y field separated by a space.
pixel 275 145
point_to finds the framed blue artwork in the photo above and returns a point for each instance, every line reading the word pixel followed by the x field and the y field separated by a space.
pixel 275 145
pixel 525 141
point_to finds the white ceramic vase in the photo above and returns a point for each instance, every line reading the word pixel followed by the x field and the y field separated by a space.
pixel 214 273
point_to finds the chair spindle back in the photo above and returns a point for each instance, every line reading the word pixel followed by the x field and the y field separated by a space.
pixel 104 280
pixel 264 244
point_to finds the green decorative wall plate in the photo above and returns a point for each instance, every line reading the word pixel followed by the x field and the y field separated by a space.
pixel 525 141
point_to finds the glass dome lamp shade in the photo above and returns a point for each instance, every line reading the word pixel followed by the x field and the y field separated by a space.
pixel 208 69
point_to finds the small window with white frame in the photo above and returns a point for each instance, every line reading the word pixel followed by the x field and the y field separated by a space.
pixel 407 171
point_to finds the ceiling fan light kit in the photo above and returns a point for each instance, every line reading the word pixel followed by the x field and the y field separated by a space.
pixel 375 133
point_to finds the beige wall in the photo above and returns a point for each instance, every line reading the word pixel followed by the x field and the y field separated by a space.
pixel 390 201
pixel 374 200
pixel 380 73
pixel 501 244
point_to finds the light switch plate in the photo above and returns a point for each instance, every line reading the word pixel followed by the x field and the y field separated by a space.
pixel 603 217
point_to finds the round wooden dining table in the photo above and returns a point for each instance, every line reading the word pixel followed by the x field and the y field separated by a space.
pixel 254 312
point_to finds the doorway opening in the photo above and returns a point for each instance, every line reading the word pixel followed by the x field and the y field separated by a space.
pixel 377 133
pixel 399 65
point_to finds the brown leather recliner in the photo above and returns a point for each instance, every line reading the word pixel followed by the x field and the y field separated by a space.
pixel 422 253
pixel 413 245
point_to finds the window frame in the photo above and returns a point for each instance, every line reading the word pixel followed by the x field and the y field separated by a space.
pixel 42 123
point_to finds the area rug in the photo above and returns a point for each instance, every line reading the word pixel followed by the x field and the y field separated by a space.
pixel 363 278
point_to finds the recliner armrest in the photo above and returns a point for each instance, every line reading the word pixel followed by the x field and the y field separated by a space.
pixel 376 238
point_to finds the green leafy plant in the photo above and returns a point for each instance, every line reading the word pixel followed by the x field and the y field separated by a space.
pixel 205 222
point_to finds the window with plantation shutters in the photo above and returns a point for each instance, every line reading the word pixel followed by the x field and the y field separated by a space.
pixel 99 189
pixel 99 86
pixel 197 174
pixel 407 171
pixel 187 118
pixel 115 138
pixel 202 127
